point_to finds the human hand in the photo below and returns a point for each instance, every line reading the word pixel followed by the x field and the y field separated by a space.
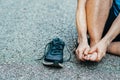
pixel 97 52
pixel 82 50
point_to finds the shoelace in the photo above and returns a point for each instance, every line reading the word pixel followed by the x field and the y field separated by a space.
pixel 69 51
pixel 55 48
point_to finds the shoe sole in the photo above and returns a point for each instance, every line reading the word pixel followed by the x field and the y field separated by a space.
pixel 51 64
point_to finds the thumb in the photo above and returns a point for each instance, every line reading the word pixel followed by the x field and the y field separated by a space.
pixel 86 51
pixel 92 50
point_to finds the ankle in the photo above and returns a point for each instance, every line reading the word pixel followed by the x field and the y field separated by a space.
pixel 93 42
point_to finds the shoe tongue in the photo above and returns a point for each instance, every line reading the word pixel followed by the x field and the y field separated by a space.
pixel 57 41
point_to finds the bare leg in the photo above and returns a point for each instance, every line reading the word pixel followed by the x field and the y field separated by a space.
pixel 106 41
pixel 114 48
pixel 97 14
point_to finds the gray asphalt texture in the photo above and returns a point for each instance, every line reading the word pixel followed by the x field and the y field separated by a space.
pixel 26 26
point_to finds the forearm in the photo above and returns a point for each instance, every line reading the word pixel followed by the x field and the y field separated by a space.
pixel 81 21
pixel 114 30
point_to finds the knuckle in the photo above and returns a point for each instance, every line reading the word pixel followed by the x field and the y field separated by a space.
pixel 104 55
pixel 76 50
pixel 79 51
pixel 98 59
pixel 79 58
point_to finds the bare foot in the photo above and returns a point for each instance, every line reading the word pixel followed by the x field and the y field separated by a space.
pixel 91 57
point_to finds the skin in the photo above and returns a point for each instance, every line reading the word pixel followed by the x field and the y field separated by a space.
pixel 91 17
pixel 81 23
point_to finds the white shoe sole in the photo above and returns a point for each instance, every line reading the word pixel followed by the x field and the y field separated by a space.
pixel 52 64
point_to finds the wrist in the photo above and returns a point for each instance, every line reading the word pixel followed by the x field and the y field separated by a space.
pixel 82 39
pixel 106 41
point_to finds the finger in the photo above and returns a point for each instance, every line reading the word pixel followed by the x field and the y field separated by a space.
pixel 86 51
pixel 104 54
pixel 77 54
pixel 84 57
pixel 99 56
pixel 81 56
pixel 93 49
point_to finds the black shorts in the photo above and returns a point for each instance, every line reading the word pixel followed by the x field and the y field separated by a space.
pixel 109 22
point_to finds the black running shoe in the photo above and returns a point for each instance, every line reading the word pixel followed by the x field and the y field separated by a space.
pixel 54 53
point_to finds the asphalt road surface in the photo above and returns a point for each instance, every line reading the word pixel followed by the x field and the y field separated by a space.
pixel 26 26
